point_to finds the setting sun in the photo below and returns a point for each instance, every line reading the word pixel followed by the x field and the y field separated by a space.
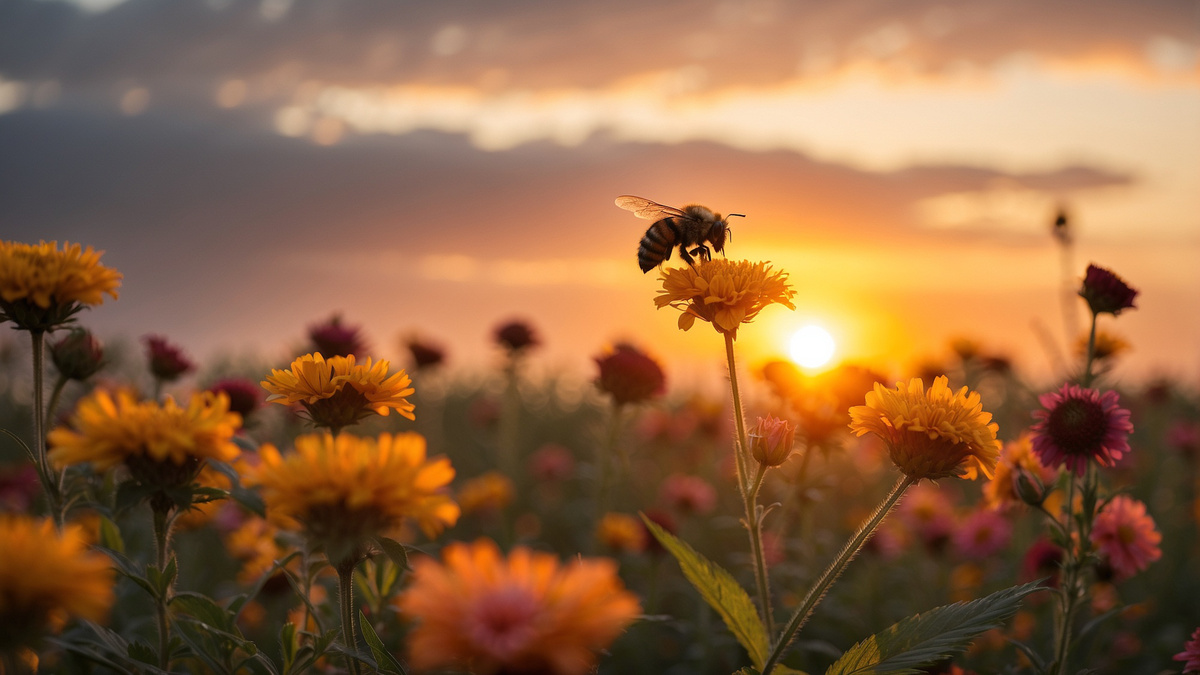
pixel 811 346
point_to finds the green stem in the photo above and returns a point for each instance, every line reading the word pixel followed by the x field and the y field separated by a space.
pixel 162 551
pixel 749 494
pixel 834 571
pixel 604 459
pixel 346 600
pixel 1091 354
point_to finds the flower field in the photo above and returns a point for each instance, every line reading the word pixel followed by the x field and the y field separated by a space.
pixel 341 512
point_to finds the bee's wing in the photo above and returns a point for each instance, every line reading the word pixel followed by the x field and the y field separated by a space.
pixel 644 208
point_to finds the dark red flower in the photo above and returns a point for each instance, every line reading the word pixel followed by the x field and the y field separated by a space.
pixel 424 354
pixel 334 338
pixel 167 361
pixel 516 336
pixel 245 396
pixel 78 355
pixel 1077 425
pixel 629 376
pixel 1105 292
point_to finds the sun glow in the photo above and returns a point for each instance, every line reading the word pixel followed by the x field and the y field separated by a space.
pixel 811 346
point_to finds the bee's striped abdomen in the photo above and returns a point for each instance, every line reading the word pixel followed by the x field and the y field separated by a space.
pixel 656 246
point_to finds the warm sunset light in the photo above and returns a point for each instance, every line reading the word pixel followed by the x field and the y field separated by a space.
pixel 811 347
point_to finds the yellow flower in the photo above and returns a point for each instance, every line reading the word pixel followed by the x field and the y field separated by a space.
pixel 253 543
pixel 490 492
pixel 47 577
pixel 42 287
pixel 725 293
pixel 930 434
pixel 342 491
pixel 162 445
pixel 481 612
pixel 338 392
pixel 621 532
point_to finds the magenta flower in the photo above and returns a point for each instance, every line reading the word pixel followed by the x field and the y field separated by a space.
pixel 1077 425
pixel 630 376
pixel 1105 292
pixel 516 336
pixel 982 534
pixel 1125 536
pixel 1191 654
pixel 167 361
pixel 334 338
pixel 245 395
pixel 688 494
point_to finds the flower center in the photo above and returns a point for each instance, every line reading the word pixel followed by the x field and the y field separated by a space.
pixel 502 622
pixel 1078 427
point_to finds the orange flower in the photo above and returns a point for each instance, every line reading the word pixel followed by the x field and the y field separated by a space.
pixel 487 493
pixel 47 577
pixel 481 612
pixel 342 491
pixel 930 434
pixel 726 293
pixel 41 287
pixel 622 533
pixel 1017 458
pixel 338 392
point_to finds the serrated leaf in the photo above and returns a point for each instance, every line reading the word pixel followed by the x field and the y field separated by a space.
pixel 394 550
pixel 923 639
pixel 387 662
pixel 289 644
pixel 126 569
pixel 720 591
pixel 140 651
pixel 203 609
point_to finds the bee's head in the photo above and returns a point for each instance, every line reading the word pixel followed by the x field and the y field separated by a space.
pixel 720 232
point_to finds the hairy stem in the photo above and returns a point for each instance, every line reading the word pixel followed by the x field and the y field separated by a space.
pixel 834 570
pixel 346 601
pixel 162 554
pixel 749 493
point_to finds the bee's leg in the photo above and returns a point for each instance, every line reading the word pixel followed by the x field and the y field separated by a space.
pixel 703 251
pixel 685 257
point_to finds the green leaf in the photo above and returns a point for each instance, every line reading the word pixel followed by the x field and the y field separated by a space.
pixel 205 610
pixel 394 550
pixel 923 639
pixel 110 535
pixel 720 591
pixel 387 662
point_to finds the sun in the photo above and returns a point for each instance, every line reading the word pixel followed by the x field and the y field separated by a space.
pixel 811 346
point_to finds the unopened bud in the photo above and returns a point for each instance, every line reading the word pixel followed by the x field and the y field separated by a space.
pixel 77 356
pixel 771 441
pixel 1029 488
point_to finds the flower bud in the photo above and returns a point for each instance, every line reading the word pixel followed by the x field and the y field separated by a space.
pixel 771 440
pixel 630 376
pixel 1029 487
pixel 167 361
pixel 78 355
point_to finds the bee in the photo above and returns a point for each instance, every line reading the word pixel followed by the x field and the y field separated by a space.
pixel 692 227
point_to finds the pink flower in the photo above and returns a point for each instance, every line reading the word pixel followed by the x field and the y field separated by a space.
pixel 1042 559
pixel 1077 425
pixel 1191 654
pixel 1125 535
pixel 927 512
pixel 771 440
pixel 982 534
pixel 688 494
pixel 245 396
pixel 552 463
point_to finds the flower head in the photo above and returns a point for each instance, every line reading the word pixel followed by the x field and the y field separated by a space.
pixel 245 397
pixel 1190 654
pixel 688 494
pixel 490 492
pixel 424 354
pixel 167 361
pixel 927 513
pixel 552 463
pixel 771 440
pixel 342 491
pixel 982 534
pixel 1105 292
pixel 1077 425
pixel 629 375
pixel 516 336
pixel 162 445
pixel 622 533
pixel 1125 536
pixel 47 577
pixel 338 392
pixel 525 613
pixel 1016 471
pixel 41 287
pixel 934 433
pixel 78 355
pixel 725 293
pixel 1106 347
pixel 334 338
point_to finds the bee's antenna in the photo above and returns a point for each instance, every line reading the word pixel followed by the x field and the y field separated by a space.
pixel 739 215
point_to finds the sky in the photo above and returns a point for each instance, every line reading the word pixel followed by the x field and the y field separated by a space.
pixel 254 167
